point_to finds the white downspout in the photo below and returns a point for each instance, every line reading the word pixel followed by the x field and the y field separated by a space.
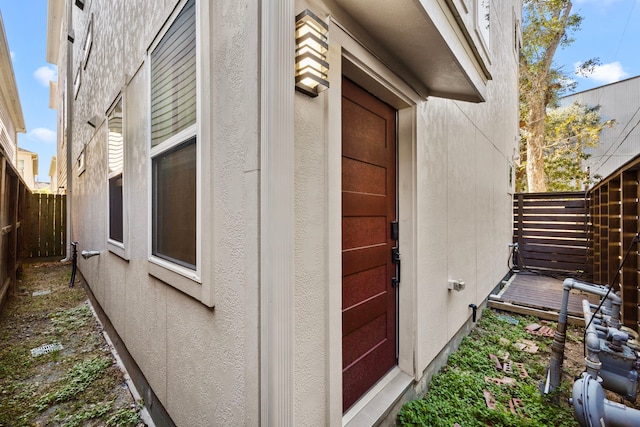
pixel 69 125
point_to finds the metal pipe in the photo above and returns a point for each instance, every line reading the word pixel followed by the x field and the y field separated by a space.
pixel 89 254
pixel 592 360
pixel 475 311
pixel 554 374
pixel 612 298
pixel 74 264
pixel 592 409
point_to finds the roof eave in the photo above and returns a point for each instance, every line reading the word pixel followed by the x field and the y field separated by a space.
pixel 9 85
pixel 55 11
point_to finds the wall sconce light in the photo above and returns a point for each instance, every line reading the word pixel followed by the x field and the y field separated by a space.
pixel 311 49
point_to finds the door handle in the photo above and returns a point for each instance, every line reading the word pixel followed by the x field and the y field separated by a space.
pixel 395 258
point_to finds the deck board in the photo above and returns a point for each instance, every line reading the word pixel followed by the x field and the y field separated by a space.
pixel 542 293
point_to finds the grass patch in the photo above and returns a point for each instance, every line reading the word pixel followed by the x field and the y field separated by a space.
pixel 77 386
pixel 71 319
pixel 456 393
pixel 78 379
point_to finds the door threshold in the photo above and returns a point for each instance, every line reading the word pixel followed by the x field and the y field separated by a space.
pixel 374 406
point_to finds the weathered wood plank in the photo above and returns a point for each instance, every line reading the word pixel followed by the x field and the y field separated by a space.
pixel 528 311
pixel 555 265
pixel 557 217
pixel 32 229
pixel 555 211
pixel 554 226
pixel 558 203
pixel 563 250
pixel 576 235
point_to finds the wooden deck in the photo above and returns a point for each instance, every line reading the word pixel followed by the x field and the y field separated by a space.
pixel 541 296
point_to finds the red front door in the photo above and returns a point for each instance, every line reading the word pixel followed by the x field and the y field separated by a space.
pixel 368 209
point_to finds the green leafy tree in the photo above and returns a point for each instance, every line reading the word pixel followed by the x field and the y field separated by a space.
pixel 548 25
pixel 569 133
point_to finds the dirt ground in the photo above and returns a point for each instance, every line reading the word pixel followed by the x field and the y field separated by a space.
pixel 76 380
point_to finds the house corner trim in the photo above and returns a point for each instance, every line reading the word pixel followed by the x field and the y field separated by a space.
pixel 277 213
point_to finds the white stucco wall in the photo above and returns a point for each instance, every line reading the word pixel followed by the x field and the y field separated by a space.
pixel 620 143
pixel 204 363
pixel 201 362
pixel 460 163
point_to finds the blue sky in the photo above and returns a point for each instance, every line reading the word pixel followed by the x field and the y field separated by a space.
pixel 25 24
pixel 610 31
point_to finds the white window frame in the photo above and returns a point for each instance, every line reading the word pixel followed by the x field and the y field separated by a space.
pixel 517 35
pixel 183 278
pixel 80 162
pixel 483 33
pixel 77 82
pixel 88 43
pixel 118 248
pixel 461 6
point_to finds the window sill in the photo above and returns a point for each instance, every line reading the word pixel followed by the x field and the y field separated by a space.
pixel 185 281
pixel 118 250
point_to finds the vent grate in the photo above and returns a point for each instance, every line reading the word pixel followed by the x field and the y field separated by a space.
pixel 45 349
pixel 40 293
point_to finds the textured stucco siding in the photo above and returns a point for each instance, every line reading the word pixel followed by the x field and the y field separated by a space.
pixel 463 154
pixel 464 197
pixel 202 363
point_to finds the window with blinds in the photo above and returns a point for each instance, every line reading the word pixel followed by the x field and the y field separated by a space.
pixel 115 145
pixel 173 78
pixel 174 142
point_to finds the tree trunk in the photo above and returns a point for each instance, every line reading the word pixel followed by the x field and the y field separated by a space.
pixel 536 178
pixel 539 83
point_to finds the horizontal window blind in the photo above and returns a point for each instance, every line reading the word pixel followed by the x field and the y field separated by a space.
pixel 173 78
pixel 115 139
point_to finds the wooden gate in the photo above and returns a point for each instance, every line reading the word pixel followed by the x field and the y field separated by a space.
pixel 552 231
pixel 44 230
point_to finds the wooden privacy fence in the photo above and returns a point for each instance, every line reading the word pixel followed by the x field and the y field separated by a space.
pixel 13 193
pixel 45 226
pixel 615 213
pixel 552 232
pixel 31 226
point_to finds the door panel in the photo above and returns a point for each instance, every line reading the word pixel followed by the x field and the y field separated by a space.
pixel 368 208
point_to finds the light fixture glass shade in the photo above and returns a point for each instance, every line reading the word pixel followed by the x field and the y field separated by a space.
pixel 311 66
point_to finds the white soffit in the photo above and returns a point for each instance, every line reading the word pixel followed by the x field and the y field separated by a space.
pixel 55 10
pixel 53 95
pixel 8 86
pixel 423 37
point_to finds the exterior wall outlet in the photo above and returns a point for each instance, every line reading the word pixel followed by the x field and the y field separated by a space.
pixel 456 285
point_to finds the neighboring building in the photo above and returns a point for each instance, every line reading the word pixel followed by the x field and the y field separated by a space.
pixel 246 230
pixel 53 176
pixel 11 119
pixel 619 101
pixel 28 167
